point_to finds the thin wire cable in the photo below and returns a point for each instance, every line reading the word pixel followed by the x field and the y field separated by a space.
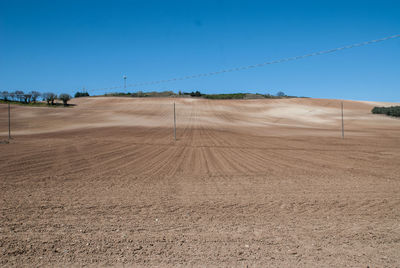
pixel 255 65
pixel 251 66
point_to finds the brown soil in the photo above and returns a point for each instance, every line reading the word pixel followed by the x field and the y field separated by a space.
pixel 247 183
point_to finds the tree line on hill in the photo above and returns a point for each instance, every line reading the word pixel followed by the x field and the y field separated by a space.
pixel 279 95
pixel 391 111
pixel 198 94
pixel 33 97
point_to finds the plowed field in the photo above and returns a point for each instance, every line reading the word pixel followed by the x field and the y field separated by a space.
pixel 252 183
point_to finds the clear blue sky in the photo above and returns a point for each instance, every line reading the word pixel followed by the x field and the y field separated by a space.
pixel 62 46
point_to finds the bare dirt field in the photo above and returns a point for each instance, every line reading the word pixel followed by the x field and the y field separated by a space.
pixel 248 183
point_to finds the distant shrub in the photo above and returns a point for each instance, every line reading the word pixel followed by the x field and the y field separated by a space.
pixel 153 94
pixel 280 95
pixel 225 96
pixel 117 94
pixel 391 111
pixel 139 94
pixel 81 94
pixel 269 96
pixel 254 96
pixel 195 94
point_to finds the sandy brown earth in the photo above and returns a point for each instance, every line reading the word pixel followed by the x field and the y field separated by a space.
pixel 248 183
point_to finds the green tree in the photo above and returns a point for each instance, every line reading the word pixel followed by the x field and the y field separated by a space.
pixel 27 97
pixel 81 94
pixel 19 94
pixel 65 98
pixel 49 97
pixel 5 95
pixel 280 94
pixel 35 95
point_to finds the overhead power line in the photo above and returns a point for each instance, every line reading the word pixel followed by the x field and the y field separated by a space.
pixel 254 65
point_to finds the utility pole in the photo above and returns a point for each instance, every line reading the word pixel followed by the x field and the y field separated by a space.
pixel 174 123
pixel 342 123
pixel 124 81
pixel 9 122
